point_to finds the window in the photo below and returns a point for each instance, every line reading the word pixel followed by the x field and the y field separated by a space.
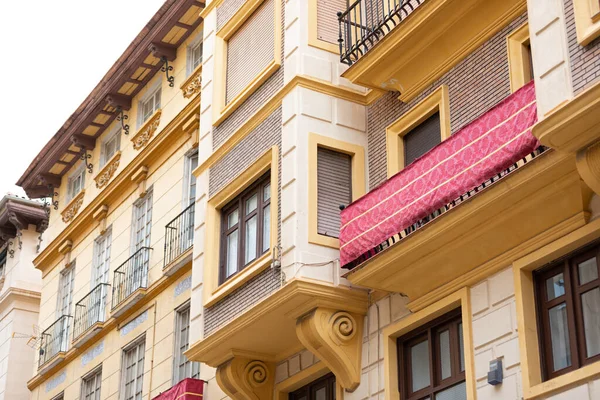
pixel 568 301
pixel 65 291
pixel 142 222
pixel 191 165
pixel 194 55
pixel 149 106
pixel 520 59
pixel 334 188
pixel 3 255
pixel 101 259
pixel 61 396
pixel 91 384
pixel 321 389
pixel 245 228
pixel 133 371
pixel 422 138
pixel 431 360
pixel 76 182
pixel 183 368
pixel 587 20
pixel 110 146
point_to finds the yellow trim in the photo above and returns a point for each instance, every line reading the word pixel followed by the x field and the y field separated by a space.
pixel 519 62
pixel 313 40
pixel 214 292
pixel 357 153
pixel 533 387
pixel 587 20
pixel 302 378
pixel 439 100
pixel 211 6
pixel 460 298
pixel 222 109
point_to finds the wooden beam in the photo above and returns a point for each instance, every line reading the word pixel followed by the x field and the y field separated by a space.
pixel 160 50
pixel 83 141
pixel 49 179
pixel 97 125
pixel 182 25
pixel 119 100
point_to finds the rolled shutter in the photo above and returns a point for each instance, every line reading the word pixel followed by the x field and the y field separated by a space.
pixel 334 188
pixel 422 139
pixel 327 21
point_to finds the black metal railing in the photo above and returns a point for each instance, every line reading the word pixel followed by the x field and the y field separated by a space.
pixel 55 339
pixel 131 276
pixel 179 234
pixel 366 22
pixel 90 310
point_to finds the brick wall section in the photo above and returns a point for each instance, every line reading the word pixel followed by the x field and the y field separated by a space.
pixel 476 84
pixel 266 135
pixel 585 61
pixel 258 98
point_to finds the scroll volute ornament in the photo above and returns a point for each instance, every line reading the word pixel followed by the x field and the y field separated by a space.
pixel 242 378
pixel 588 166
pixel 335 337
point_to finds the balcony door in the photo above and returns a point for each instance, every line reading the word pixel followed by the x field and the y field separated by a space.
pixel 100 275
pixel 187 235
pixel 64 308
pixel 142 228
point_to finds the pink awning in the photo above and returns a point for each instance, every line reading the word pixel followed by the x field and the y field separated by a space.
pixel 476 153
pixel 187 389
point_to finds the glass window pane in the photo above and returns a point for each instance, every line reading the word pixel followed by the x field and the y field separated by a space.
pixel 266 233
pixel 267 192
pixel 590 304
pixel 588 271
pixel 250 243
pixel 321 394
pixel 461 347
pixel 458 392
pixel 559 335
pixel 419 356
pixel 232 219
pixel 232 252
pixel 251 204
pixel 446 368
pixel 555 286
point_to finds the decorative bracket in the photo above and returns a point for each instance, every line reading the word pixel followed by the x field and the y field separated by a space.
pixel 121 117
pixel 242 378
pixel 85 156
pixel 335 337
pixel 166 68
pixel 588 166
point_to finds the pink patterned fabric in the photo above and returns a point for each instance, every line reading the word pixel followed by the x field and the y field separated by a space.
pixel 480 150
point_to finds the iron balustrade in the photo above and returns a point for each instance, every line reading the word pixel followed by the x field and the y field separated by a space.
pixel 90 310
pixel 366 22
pixel 55 339
pixel 179 234
pixel 131 276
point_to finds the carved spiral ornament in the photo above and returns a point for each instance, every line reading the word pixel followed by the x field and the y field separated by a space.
pixel 256 373
pixel 343 326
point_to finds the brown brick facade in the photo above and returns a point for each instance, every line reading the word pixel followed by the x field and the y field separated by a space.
pixel 476 84
pixel 585 61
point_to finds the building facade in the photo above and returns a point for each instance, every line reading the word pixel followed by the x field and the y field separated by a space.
pixel 22 223
pixel 358 200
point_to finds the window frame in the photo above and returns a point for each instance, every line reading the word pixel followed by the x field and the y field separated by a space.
pixel 188 177
pixel 186 307
pixel 86 378
pixel 153 91
pixel 115 134
pixel 328 381
pixel 106 239
pixel 520 62
pixel 147 242
pixel 198 41
pixel 587 20
pixel 79 172
pixel 135 344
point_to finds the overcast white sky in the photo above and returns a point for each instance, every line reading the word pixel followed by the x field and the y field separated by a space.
pixel 55 52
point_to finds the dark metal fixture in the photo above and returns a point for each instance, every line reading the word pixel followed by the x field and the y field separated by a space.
pixel 121 117
pixel 166 68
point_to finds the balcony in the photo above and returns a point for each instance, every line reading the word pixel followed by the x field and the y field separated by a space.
pixel 485 192
pixel 90 315
pixel 130 281
pixel 179 238
pixel 54 343
pixel 185 389
pixel 404 45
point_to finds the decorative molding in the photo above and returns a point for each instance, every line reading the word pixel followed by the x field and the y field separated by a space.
pixel 335 337
pixel 588 166
pixel 127 328
pixel 107 172
pixel 243 378
pixel 193 84
pixel 182 286
pixel 56 381
pixel 73 207
pixel 99 215
pixel 65 247
pixel 147 131
pixel 95 351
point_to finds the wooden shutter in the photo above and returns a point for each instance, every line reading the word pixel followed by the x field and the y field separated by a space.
pixel 327 21
pixel 250 49
pixel 422 139
pixel 334 188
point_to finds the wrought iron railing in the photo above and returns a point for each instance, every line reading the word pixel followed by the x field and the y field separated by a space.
pixel 55 339
pixel 90 310
pixel 366 22
pixel 179 234
pixel 131 276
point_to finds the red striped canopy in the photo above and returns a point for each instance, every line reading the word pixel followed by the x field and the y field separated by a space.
pixel 187 389
pixel 476 153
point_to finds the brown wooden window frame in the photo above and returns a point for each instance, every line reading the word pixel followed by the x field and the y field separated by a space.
pixel 573 290
pixel 451 321
pixel 308 391
pixel 258 188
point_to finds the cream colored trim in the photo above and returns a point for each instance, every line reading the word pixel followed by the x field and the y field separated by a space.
pixel 460 298
pixel 519 62
pixel 439 100
pixel 302 378
pixel 533 386
pixel 214 292
pixel 222 109
pixel 587 20
pixel 357 153
pixel 313 40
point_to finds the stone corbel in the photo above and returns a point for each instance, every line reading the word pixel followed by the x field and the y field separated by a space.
pixel 99 215
pixel 335 337
pixel 65 249
pixel 192 128
pixel 243 378
pixel 588 166
pixel 139 177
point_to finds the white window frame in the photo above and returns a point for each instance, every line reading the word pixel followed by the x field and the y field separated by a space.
pixel 60 306
pixel 80 171
pixel 198 41
pixel 60 396
pixel 131 346
pixel 188 177
pixel 93 375
pixel 101 267
pixel 147 242
pixel 177 356
pixel 150 95
pixel 115 134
